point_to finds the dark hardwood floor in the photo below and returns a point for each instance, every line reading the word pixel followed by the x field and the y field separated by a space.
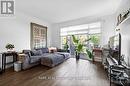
pixel 69 73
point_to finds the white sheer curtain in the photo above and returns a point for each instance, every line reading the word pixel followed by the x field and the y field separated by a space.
pixel 91 28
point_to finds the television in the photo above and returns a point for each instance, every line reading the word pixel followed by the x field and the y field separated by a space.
pixel 115 47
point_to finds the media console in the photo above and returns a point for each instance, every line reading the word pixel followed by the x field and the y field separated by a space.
pixel 117 74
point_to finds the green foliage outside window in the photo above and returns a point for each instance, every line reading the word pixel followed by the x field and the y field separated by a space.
pixel 95 39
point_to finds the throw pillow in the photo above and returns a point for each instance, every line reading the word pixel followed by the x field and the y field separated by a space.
pixel 36 52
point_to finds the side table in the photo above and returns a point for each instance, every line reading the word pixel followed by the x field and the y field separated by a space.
pixel 21 58
pixel 97 53
pixel 5 55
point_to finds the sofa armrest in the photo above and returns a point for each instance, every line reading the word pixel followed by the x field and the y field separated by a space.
pixel 23 58
pixel 26 62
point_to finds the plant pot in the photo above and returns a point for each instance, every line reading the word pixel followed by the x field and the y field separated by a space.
pixel 77 56
pixel 10 50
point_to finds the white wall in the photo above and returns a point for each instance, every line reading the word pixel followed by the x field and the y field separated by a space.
pixel 16 30
pixel 108 25
pixel 125 32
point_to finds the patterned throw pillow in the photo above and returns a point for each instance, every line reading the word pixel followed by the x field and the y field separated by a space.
pixel 36 52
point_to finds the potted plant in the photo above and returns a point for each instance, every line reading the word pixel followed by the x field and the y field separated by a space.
pixel 9 47
pixel 90 54
pixel 79 48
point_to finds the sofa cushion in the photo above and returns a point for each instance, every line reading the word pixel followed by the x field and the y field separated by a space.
pixel 36 52
pixel 65 54
pixel 44 50
pixel 34 59
pixel 52 59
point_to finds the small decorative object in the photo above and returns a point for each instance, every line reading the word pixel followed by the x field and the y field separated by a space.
pixel 129 12
pixel 52 49
pixel 123 16
pixel 118 29
pixel 9 47
pixel 119 19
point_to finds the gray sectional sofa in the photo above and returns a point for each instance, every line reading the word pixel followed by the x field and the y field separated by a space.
pixel 42 56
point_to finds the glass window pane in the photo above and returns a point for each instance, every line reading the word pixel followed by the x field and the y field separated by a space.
pixel 63 40
pixel 95 39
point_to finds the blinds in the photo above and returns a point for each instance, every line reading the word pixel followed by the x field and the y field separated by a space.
pixel 91 28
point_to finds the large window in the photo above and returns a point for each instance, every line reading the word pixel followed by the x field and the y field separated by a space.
pixel 82 32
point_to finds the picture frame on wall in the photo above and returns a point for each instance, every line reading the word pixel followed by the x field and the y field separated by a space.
pixel 38 36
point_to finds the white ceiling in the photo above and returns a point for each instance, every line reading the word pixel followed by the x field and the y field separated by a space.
pixel 56 11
